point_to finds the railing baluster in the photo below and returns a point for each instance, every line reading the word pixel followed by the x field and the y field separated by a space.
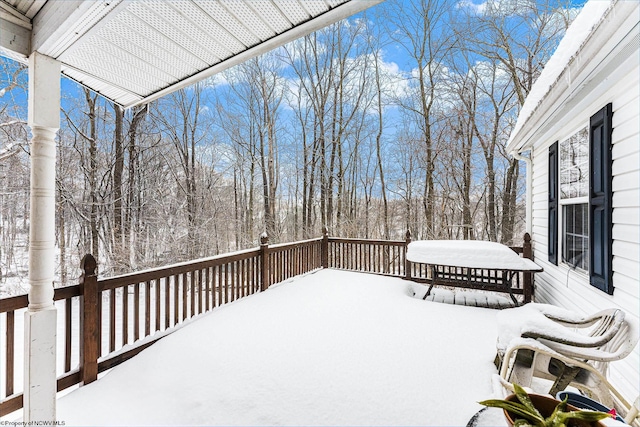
pixel 125 315
pixel 99 320
pixel 176 299
pixel 225 280
pixel 157 303
pixel 167 301
pixel 185 295
pixel 112 320
pixel 286 266
pixel 289 264
pixel 233 278
pixel 10 353
pixel 136 312
pixel 219 285
pixel 239 278
pixel 232 281
pixel 207 289
pixel 68 313
pixel 256 274
pixel 200 292
pixel 245 277
pixel 147 309
pixel 192 289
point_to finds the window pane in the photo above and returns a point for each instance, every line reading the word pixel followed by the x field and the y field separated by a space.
pixel 575 235
pixel 574 165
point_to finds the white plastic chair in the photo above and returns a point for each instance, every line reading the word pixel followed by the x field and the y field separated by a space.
pixel 584 357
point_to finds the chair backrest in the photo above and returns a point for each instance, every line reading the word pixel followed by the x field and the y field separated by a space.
pixel 623 342
pixel 619 346
pixel 606 326
pixel 612 336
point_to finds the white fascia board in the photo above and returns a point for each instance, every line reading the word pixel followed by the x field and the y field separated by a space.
pixel 341 12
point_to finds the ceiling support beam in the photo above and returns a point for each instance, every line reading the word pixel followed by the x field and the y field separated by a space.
pixel 15 36
pixel 41 318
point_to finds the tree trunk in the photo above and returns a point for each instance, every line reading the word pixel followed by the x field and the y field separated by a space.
pixel 118 170
pixel 92 173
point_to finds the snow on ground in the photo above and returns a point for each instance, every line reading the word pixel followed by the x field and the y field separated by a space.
pixel 329 348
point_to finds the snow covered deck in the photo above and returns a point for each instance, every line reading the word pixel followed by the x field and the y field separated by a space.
pixel 329 348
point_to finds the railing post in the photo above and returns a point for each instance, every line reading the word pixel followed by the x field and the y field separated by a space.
pixel 527 280
pixel 407 263
pixel 324 256
pixel 89 320
pixel 264 261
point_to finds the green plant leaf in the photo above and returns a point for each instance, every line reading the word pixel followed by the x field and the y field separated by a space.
pixel 555 419
pixel 523 397
pixel 522 423
pixel 525 413
pixel 516 408
pixel 588 416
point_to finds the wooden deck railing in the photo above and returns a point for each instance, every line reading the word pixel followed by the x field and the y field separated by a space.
pixel 108 321
pixel 103 322
pixel 385 257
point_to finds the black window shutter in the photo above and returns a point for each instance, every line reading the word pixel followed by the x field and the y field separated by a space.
pixel 553 204
pixel 600 201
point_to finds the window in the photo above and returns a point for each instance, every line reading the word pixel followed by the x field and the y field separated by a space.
pixel 574 199
pixel 575 235
pixel 580 185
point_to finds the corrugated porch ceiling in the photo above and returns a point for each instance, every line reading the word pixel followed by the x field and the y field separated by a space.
pixel 134 51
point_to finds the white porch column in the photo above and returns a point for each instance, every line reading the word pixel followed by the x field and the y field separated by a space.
pixel 40 319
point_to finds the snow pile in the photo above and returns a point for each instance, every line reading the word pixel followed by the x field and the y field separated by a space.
pixel 577 33
pixel 329 348
pixel 468 253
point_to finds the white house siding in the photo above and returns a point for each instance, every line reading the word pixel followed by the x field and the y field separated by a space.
pixel 568 288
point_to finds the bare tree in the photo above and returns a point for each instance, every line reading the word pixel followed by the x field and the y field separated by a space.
pixel 420 29
pixel 516 38
pixel 180 115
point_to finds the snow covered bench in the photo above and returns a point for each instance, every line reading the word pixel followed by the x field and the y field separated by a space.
pixel 471 264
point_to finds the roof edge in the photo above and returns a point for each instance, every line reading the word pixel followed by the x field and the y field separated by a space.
pixel 530 114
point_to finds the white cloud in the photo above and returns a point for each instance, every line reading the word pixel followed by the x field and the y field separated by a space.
pixel 497 7
pixel 475 8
